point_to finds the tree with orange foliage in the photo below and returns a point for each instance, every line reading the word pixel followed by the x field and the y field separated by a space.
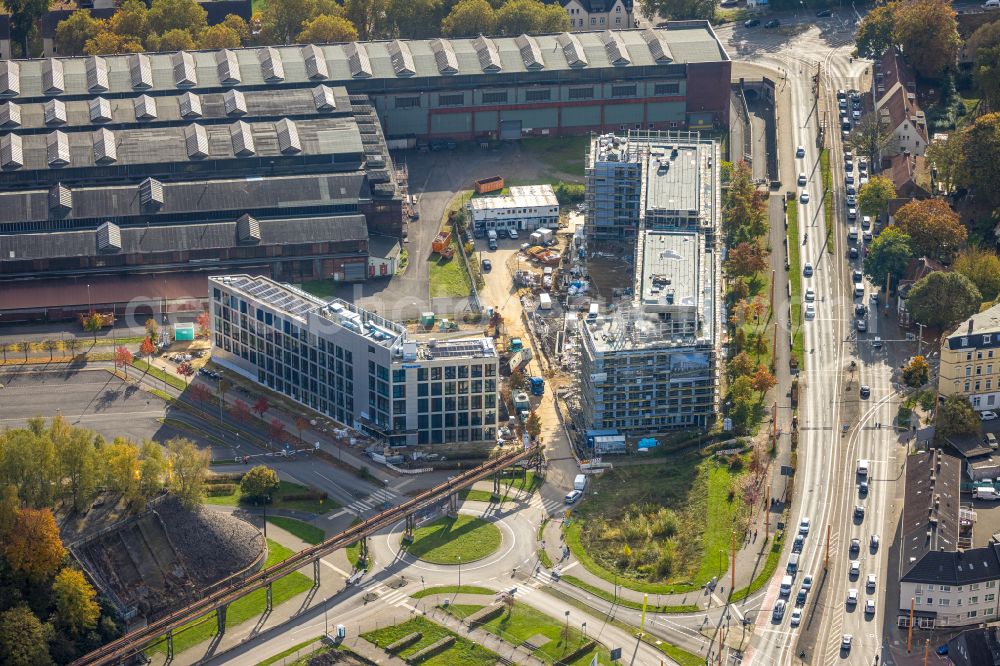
pixel 186 370
pixel 147 348
pixel 202 323
pixel 240 411
pixel 123 358
pixel 762 380
pixel 33 547
pixel 261 405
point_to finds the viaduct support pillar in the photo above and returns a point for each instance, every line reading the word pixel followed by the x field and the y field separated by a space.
pixel 411 524
pixel 170 646
pixel 496 483
pixel 268 606
pixel 363 549
pixel 316 573
pixel 220 619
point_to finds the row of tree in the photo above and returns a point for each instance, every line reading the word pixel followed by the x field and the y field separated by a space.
pixel 926 31
pixel 48 464
pixel 49 612
pixel 173 25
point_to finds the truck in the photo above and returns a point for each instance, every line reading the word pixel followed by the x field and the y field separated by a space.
pixel 580 482
pixel 521 403
pixel 545 236
pixel 544 302
pixel 862 467
pixel 515 345
pixel 537 385
pixel 491 238
pixel 442 244
pixel 985 493
pixel 520 359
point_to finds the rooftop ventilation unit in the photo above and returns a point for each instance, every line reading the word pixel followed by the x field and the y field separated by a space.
pixel 288 137
pixel 573 50
pixel 615 48
pixel 97 74
pixel 109 238
pixel 236 103
pixel 247 230
pixel 52 77
pixel 10 114
pixel 105 150
pixel 227 66
pixel 100 110
pixel 270 64
pixel 10 78
pixel 531 54
pixel 444 56
pixel 140 71
pixel 315 60
pixel 357 60
pixel 196 142
pixel 242 137
pixel 11 155
pixel 185 74
pixel 323 98
pixel 658 47
pixel 401 58
pixel 54 112
pixel 489 56
pixel 190 105
pixel 145 108
pixel 57 149
pixel 60 200
pixel 151 195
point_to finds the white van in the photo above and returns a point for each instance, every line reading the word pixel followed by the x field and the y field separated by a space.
pixel 580 482
pixel 862 467
pixel 786 586
pixel 595 309
pixel 852 233
pixel 859 289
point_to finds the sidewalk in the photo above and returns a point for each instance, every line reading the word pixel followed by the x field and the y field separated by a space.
pixel 515 654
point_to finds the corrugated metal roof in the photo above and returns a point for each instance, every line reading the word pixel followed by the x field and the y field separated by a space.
pixel 10 114
pixel 689 41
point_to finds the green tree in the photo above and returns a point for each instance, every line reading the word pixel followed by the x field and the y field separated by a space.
pixel 131 22
pixel 167 15
pixel 889 253
pixel 109 43
pixel 176 39
pixel 10 504
pixel 744 213
pixel 874 196
pixel 870 137
pixel 679 10
pixel 956 417
pixel 259 483
pixel 72 33
pixel 533 426
pixel 325 29
pixel 188 470
pixel 740 365
pixel 982 267
pixel 93 323
pixel 875 31
pixel 23 640
pixel 742 404
pixel 121 468
pixel 986 73
pixel 28 460
pixel 927 32
pixel 746 259
pixel 239 26
pixel 469 18
pixel 24 18
pixel 517 17
pixel 218 37
pixel 942 299
pixel 282 20
pixel 76 605
pixel 80 465
pixel 980 170
pixel 33 547
pixel 946 155
pixel 414 19
pixel 933 228
pixel 368 16
pixel 152 469
pixel 917 372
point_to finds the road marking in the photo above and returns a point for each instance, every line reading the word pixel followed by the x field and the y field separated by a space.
pixel 342 573
pixel 339 513
pixel 570 566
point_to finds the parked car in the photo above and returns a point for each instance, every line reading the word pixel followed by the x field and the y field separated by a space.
pixel 487 265
pixel 987 415
pixel 573 495
pixel 513 234
pixel 796 617
pixel 751 23
pixel 773 23
pixel 866 392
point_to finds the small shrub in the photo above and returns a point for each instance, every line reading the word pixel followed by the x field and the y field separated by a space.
pixel 304 497
pixel 220 489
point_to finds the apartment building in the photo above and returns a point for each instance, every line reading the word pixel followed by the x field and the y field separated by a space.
pixel 947 582
pixel 652 364
pixel 895 95
pixel 650 180
pixel 354 366
pixel 526 208
pixel 970 360
pixel 599 14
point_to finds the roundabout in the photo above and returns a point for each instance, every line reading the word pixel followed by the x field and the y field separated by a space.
pixel 448 540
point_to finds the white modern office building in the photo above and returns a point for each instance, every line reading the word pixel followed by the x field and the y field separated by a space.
pixel 526 208
pixel 354 366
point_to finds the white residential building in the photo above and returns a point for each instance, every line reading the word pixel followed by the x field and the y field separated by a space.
pixel 599 14
pixel 526 208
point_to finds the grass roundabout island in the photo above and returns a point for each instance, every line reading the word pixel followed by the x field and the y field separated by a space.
pixel 444 540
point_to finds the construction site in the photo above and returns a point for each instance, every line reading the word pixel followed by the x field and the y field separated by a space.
pixel 151 563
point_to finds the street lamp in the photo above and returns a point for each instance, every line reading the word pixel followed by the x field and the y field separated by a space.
pixel 584 628
pixel 567 626
pixel 459 572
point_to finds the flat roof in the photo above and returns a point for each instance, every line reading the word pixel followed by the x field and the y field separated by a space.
pixel 524 196
pixel 669 274
pixel 677 42
pixel 673 179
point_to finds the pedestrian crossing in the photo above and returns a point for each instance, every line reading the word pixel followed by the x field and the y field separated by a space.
pixel 373 503
pixel 548 506
pixel 391 596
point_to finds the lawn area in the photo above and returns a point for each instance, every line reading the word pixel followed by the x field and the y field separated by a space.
pixel 795 276
pixel 770 566
pixel 303 530
pixel 473 495
pixel 511 484
pixel 824 165
pixel 462 651
pixel 244 608
pixel 627 603
pixel 285 653
pixel 153 371
pixel 444 540
pixel 279 501
pixel 564 155
pixel 676 518
pixel 452 589
pixel 448 277
pixel 523 622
